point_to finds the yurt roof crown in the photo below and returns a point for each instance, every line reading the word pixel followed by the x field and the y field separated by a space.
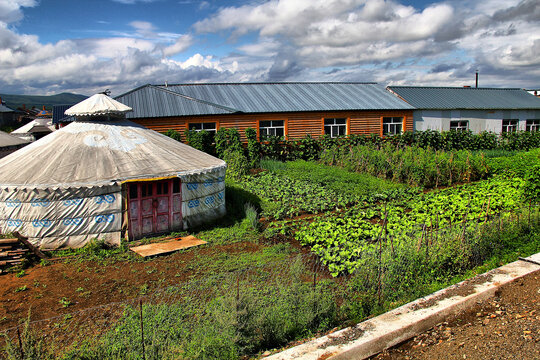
pixel 98 105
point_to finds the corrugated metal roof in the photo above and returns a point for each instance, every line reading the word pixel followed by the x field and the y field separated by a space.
pixel 153 101
pixel 4 108
pixel 466 98
pixel 58 114
pixel 208 99
pixel 288 97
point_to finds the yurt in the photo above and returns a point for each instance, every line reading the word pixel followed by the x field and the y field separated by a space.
pixel 105 177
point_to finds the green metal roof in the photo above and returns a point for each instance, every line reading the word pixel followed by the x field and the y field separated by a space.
pixel 153 101
pixel 208 99
pixel 467 98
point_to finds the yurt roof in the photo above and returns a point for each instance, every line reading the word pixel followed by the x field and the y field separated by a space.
pixel 98 104
pixel 8 140
pixel 87 153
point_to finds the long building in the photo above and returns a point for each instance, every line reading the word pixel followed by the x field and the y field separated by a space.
pixel 497 110
pixel 292 110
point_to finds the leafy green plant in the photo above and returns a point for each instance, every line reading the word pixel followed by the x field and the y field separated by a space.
pixel 531 187
pixel 411 165
pixel 227 139
pixel 32 343
pixel 237 164
pixel 21 288
pixel 340 240
pixel 20 273
pixel 200 140
pixel 173 134
pixel 65 302
pixel 253 148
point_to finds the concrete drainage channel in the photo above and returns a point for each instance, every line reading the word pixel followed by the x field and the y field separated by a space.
pixel 384 331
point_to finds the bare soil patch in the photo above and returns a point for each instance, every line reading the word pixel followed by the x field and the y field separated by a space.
pixel 505 327
pixel 88 284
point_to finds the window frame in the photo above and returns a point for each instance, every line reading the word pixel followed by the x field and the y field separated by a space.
pixel 511 125
pixel 389 128
pixel 202 125
pixel 532 125
pixel 263 130
pixel 335 126
pixel 459 126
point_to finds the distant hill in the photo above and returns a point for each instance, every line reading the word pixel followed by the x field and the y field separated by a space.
pixel 15 101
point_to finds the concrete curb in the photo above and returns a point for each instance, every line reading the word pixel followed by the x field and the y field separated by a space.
pixel 384 331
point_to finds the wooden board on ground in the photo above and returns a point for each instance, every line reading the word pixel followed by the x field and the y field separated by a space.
pixel 167 246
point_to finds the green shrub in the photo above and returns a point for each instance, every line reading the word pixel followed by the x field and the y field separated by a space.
pixel 34 346
pixel 237 163
pixel 173 134
pixel 227 139
pixel 531 188
pixel 253 148
pixel 200 140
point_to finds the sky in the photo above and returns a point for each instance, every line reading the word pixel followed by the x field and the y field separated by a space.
pixel 87 46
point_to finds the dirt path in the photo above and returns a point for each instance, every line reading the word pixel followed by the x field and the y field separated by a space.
pixel 505 327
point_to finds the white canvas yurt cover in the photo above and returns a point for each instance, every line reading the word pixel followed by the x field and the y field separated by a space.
pixel 72 185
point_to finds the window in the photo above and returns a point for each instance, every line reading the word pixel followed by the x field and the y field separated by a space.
pixel 392 125
pixel 459 125
pixel 510 125
pixel 209 126
pixel 335 127
pixel 532 125
pixel 176 185
pixel 162 188
pixel 146 189
pixel 133 192
pixel 271 128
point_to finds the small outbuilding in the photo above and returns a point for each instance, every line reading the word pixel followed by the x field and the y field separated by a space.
pixel 105 177
pixel 9 144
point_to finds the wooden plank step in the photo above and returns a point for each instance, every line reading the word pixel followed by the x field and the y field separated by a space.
pixel 9 241
pixel 168 246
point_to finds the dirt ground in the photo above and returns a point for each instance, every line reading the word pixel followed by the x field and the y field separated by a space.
pixel 87 284
pixel 505 327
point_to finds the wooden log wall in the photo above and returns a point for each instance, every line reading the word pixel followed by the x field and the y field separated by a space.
pixel 297 125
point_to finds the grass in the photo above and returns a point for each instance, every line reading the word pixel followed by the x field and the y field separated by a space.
pixel 333 178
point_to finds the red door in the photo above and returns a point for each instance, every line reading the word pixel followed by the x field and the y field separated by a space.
pixel 154 207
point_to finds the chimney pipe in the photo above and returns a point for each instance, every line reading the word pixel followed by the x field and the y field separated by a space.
pixel 477 79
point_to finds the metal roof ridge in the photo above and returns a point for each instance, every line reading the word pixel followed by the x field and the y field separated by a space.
pixel 157 87
pixel 132 91
pixel 271 83
pixel 451 87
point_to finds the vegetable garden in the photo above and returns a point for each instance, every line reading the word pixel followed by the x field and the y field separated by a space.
pixel 346 229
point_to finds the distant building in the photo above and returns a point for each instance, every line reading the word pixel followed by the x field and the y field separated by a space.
pixel 476 109
pixel 292 110
pixel 8 116
pixel 9 144
pixel 59 118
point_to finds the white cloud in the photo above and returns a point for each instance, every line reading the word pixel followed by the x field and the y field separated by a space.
pixel 305 35
pixel 301 40
pixel 182 44
pixel 10 10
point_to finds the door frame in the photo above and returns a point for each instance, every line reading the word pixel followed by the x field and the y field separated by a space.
pixel 172 183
